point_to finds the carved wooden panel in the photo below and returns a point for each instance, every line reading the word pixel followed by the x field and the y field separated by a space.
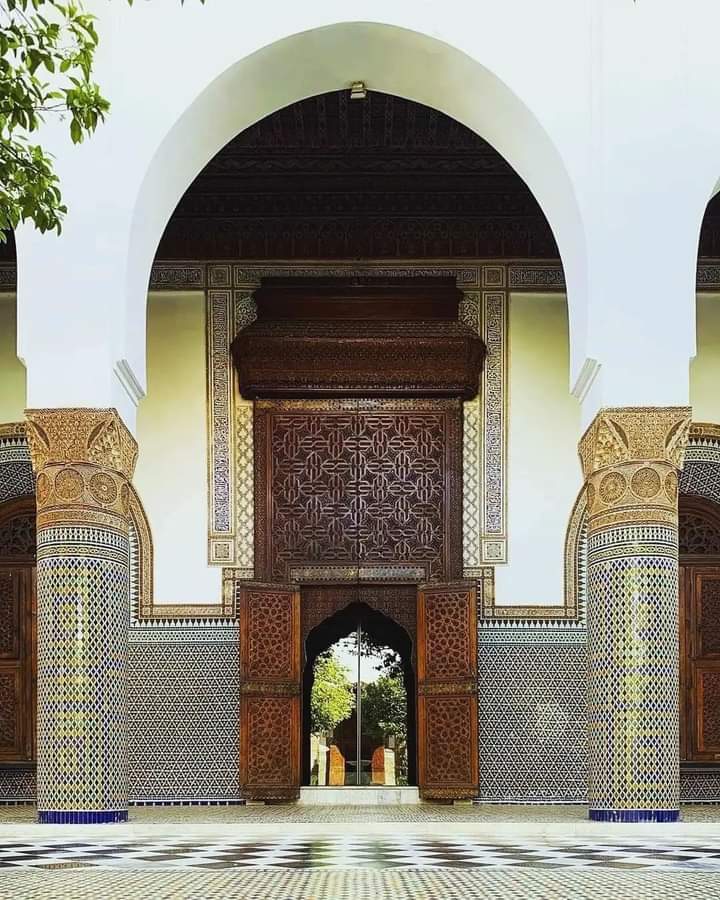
pixel 450 745
pixel 269 619
pixel 17 665
pixel 402 485
pixel 270 722
pixel 700 662
pixel 10 634
pixel 371 484
pixel 447 691
pixel 449 643
pixel 707 676
pixel 17 536
pixel 271 629
pixel 344 358
pixel 10 711
pixel 396 601
pixel 305 510
pixel 707 615
pixel 699 527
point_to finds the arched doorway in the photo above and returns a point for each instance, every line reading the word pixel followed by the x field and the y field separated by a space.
pixel 366 662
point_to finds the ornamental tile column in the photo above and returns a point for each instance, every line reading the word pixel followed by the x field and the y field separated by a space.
pixel 83 460
pixel 630 458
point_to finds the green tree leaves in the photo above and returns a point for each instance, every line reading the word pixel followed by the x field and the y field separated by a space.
pixel 47 50
pixel 384 707
pixel 332 698
pixel 46 58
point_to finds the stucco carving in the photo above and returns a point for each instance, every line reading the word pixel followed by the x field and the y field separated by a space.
pixel 83 459
pixel 630 457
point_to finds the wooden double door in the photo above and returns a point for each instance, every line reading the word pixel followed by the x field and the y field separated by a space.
pixel 700 662
pixel 17 632
pixel 271 665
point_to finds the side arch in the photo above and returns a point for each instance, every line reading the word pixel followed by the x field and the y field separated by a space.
pixel 141 560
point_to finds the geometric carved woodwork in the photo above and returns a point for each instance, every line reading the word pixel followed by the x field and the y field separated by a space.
pixel 368 487
pixel 447 691
pixel 17 665
pixel 700 662
pixel 17 632
pixel 699 527
pixel 338 338
pixel 396 601
pixel 326 178
pixel 269 619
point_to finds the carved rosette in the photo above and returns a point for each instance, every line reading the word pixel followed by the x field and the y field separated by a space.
pixel 630 458
pixel 83 460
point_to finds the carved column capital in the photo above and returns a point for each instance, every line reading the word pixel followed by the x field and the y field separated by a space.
pixel 630 458
pixel 629 434
pixel 83 460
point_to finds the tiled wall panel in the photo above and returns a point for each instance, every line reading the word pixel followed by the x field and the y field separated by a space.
pixel 17 785
pixel 532 708
pixel 183 721
pixel 184 741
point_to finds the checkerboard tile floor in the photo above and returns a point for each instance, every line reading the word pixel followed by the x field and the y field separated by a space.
pixel 354 851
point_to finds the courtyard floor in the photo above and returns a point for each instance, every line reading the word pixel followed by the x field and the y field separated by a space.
pixel 428 852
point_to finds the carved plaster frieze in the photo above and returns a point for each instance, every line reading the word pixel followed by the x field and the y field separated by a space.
pixel 83 459
pixel 620 435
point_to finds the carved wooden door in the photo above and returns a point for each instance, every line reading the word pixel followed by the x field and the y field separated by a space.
pixel 269 618
pixel 447 691
pixel 17 683
pixel 700 662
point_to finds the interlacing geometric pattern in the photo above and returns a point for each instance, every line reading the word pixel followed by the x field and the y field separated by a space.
pixel 357 483
pixel 83 460
pixel 630 458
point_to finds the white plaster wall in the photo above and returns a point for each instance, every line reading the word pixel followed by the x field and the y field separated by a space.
pixel 543 470
pixel 604 107
pixel 171 473
pixel 468 59
pixel 705 368
pixel 12 371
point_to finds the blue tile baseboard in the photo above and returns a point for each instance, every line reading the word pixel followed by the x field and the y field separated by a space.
pixel 220 802
pixel 634 815
pixel 81 817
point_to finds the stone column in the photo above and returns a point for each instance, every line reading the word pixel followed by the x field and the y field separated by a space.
pixel 630 458
pixel 83 460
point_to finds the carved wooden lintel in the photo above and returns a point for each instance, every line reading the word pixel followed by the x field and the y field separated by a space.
pixel 332 338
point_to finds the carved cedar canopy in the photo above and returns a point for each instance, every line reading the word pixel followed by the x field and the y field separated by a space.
pixel 329 178
pixel 338 338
